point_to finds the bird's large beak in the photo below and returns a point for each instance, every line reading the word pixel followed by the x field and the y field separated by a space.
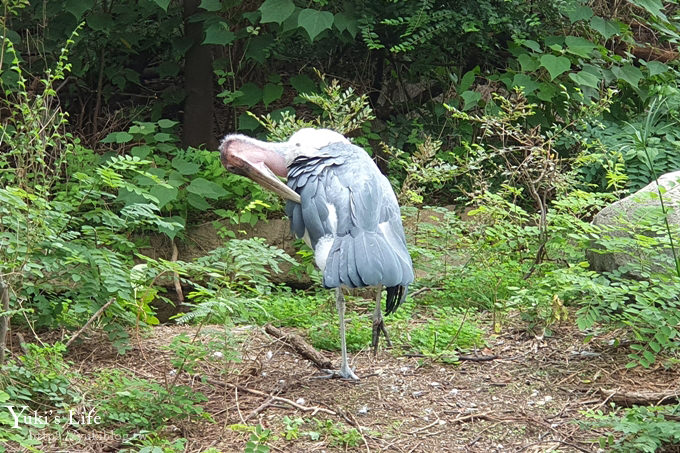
pixel 260 161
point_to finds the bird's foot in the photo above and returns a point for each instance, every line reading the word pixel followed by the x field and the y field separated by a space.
pixel 379 326
pixel 342 373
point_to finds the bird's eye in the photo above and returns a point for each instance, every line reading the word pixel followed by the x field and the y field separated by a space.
pixel 298 145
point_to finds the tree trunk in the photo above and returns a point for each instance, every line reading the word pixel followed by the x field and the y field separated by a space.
pixel 198 84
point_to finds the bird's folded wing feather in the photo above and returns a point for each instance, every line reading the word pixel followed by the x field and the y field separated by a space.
pixel 349 214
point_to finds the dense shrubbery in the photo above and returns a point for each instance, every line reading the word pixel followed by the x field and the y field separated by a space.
pixel 533 115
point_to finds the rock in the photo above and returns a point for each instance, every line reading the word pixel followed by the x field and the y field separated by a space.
pixel 638 214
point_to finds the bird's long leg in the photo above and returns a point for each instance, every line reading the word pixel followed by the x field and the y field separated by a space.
pixel 345 370
pixel 379 323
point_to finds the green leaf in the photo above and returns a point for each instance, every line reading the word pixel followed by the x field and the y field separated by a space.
pixel 118 137
pixel 247 123
pixel 168 68
pixel 653 7
pixel 546 91
pixel 314 21
pixel 185 167
pixel 528 63
pixel 276 10
pixel 141 151
pixel 170 230
pixel 470 98
pixel 468 79
pixel 649 356
pixel 533 45
pixel 167 124
pixel 176 179
pixel 259 48
pixel 604 27
pixel 211 5
pixel 580 13
pixel 219 33
pixel 656 68
pixel 303 84
pixel 100 22
pixel 163 4
pixel 164 137
pixel 628 73
pixel 271 93
pixel 579 46
pixel 78 7
pixel 523 80
pixel 555 65
pixel 654 346
pixel 251 94
pixel 205 188
pixel 164 194
pixel 343 22
pixel 585 78
pixel 198 202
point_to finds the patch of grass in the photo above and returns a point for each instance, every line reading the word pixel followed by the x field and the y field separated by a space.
pixel 327 335
pixel 292 309
pixel 446 332
pixel 335 434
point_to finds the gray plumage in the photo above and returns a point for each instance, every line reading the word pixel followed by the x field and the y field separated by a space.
pixel 349 215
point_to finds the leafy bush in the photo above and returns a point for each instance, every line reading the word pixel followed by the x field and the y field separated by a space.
pixel 64 242
pixel 638 429
pixel 130 403
pixel 42 379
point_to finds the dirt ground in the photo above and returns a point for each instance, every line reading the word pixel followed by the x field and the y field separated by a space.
pixel 528 398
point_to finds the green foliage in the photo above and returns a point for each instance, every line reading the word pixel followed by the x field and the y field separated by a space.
pixel 130 403
pixel 341 110
pixel 327 335
pixel 647 143
pixel 41 379
pixel 638 429
pixel 64 242
pixel 334 433
pixel 447 333
pixel 257 443
pixel 190 353
pixel 185 183
pixel 150 442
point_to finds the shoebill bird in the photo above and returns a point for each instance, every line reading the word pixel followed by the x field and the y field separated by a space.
pixel 344 209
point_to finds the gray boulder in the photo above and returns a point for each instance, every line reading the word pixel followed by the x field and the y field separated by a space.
pixel 632 233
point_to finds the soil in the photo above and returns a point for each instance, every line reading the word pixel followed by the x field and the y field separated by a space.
pixel 527 395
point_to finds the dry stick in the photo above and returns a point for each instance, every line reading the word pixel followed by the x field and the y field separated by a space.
pixel 260 408
pixel 640 398
pixel 275 398
pixel 425 427
pixel 301 347
pixel 90 321
pixel 4 318
pixel 238 408
pixel 175 275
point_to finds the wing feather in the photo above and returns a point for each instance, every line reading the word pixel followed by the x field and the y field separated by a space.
pixel 369 245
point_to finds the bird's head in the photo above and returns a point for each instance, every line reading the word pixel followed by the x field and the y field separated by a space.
pixel 265 162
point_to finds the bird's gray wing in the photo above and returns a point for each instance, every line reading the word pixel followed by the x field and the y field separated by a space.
pixel 348 212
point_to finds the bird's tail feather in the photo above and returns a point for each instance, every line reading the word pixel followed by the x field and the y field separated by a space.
pixel 395 296
pixel 363 259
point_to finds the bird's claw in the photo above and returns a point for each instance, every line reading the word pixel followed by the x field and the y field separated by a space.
pixel 347 373
pixel 379 326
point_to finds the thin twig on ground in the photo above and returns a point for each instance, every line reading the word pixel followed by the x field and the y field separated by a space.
pixel 90 321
